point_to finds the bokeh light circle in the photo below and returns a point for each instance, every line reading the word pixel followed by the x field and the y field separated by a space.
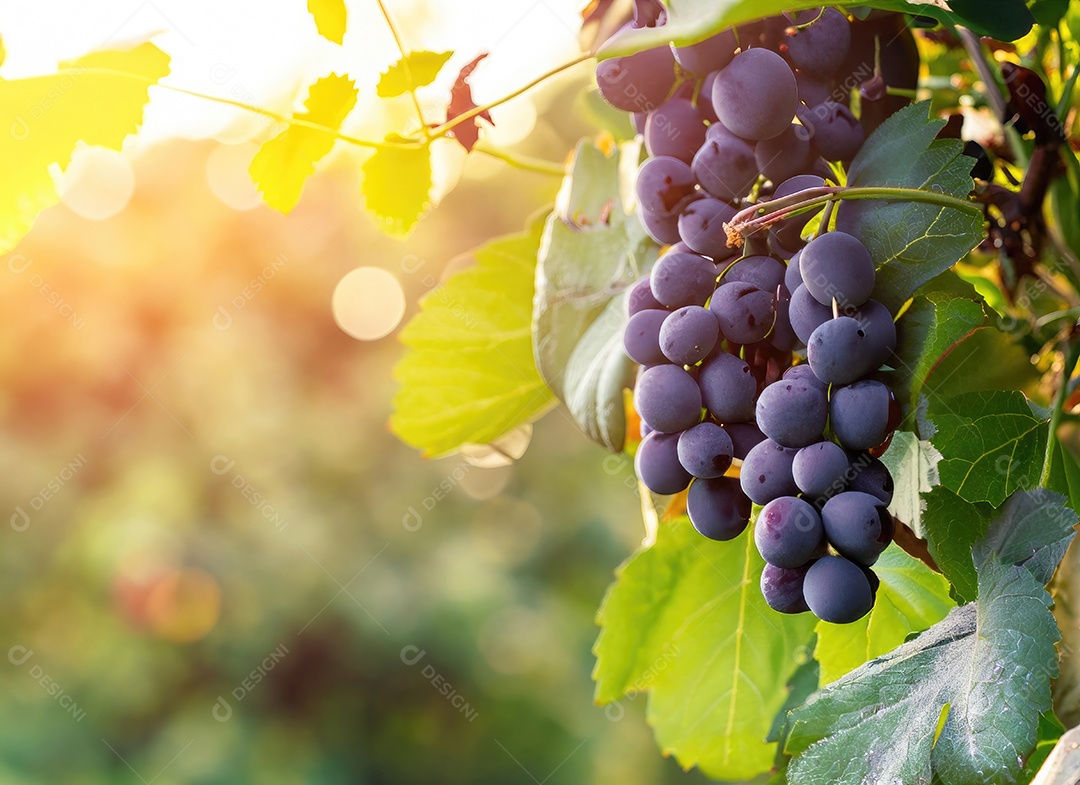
pixel 228 178
pixel 368 303
pixel 97 184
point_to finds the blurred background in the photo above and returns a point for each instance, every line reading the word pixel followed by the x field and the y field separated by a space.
pixel 219 564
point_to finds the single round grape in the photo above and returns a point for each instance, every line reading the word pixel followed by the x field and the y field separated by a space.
pixel 788 532
pixel 766 472
pixel 701 226
pixel 718 508
pixel 821 47
pixel 861 414
pixel 709 55
pixel 728 388
pixel 745 313
pixel 806 313
pixel 819 469
pixel 837 266
pixel 744 437
pixel 805 373
pixel 641 337
pixel 725 164
pixel 879 327
pixel 763 272
pixel 840 352
pixel 657 464
pixel 792 413
pixel 705 450
pixel 785 155
pixel 812 90
pixel 680 279
pixel 836 133
pixel 869 475
pixel 793 274
pixel 755 96
pixel 676 129
pixel 783 335
pixel 664 229
pixel 639 82
pixel 662 185
pixel 837 590
pixel 858 526
pixel 688 334
pixel 668 398
pixel 783 588
pixel 640 298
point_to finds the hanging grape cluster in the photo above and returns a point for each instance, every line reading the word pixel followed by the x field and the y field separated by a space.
pixel 769 359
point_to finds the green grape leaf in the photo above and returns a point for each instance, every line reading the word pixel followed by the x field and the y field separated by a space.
pixel 954 526
pixel 988 359
pixel 594 247
pixel 991 444
pixel 911 243
pixel 692 20
pixel 1065 474
pixel 685 620
pixel 414 70
pixel 96 100
pixel 930 329
pixel 284 163
pixel 397 187
pixel 913 465
pixel 468 376
pixel 962 702
pixel 330 17
pixel 911 598
pixel 1049 12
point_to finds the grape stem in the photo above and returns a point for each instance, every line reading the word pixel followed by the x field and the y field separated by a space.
pixel 761 216
pixel 1071 356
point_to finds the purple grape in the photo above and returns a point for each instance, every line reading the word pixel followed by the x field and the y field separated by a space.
pixel 804 373
pixel 858 526
pixel 766 472
pixel 755 96
pixel 746 314
pixel 792 413
pixel 861 414
pixel 879 327
pixel 744 437
pixel 668 398
pixel 680 279
pixel 657 464
pixel 793 275
pixel 837 266
pixel 834 130
pixel 784 156
pixel 688 334
pixel 788 532
pixel 701 226
pixel 662 185
pixel 728 388
pixel 840 352
pixel 725 164
pixel 783 588
pixel 837 590
pixel 718 508
pixel 705 450
pixel 821 47
pixel 869 475
pixel 641 337
pixel 639 82
pixel 820 469
pixel 640 298
pixel 783 335
pixel 676 129
pixel 762 272
pixel 709 55
pixel 806 313
pixel 812 90
pixel 664 229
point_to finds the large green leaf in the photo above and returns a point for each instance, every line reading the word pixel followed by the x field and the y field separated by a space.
pixel 686 621
pixel 953 526
pixel 911 242
pixel 913 465
pixel 593 248
pixel 692 20
pixel 991 444
pixel 468 376
pixel 911 598
pixel 961 703
pixel 930 329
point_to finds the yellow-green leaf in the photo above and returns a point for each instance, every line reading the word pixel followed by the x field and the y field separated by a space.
pixel 396 187
pixel 97 100
pixel 329 18
pixel 414 70
pixel 469 376
pixel 284 163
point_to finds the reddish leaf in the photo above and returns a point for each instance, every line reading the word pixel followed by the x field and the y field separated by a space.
pixel 461 101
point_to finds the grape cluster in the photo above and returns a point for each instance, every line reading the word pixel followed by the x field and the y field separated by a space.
pixel 746 116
